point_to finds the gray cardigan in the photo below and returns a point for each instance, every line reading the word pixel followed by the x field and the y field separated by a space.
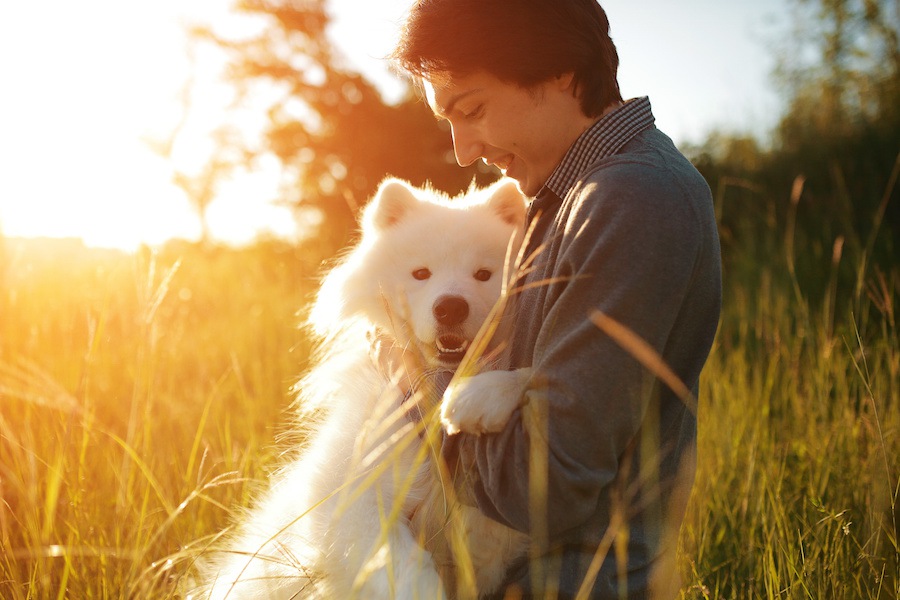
pixel 635 237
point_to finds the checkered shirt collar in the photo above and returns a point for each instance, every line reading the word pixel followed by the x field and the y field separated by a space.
pixel 604 138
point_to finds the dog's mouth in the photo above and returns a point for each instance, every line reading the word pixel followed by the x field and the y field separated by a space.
pixel 451 348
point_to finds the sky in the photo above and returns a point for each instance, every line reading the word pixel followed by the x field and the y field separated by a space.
pixel 90 88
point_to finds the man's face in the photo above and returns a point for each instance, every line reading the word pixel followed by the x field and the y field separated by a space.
pixel 523 132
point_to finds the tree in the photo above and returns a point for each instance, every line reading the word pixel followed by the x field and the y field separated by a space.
pixel 827 183
pixel 332 133
pixel 841 66
pixel 841 129
pixel 201 186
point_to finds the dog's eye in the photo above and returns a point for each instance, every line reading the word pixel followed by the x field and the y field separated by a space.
pixel 421 274
pixel 483 274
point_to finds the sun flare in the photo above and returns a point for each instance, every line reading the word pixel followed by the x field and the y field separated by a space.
pixel 93 93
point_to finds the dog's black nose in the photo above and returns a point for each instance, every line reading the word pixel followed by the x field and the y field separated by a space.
pixel 451 310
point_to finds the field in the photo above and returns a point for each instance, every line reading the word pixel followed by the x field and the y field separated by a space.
pixel 142 397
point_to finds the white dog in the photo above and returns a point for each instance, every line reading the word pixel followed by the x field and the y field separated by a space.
pixel 360 512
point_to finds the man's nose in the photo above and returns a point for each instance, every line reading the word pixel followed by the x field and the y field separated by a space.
pixel 466 146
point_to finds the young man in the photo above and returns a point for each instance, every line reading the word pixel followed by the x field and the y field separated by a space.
pixel 623 225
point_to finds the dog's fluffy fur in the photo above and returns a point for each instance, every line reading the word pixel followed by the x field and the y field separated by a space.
pixel 359 512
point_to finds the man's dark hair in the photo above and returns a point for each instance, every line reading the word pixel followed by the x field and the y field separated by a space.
pixel 524 42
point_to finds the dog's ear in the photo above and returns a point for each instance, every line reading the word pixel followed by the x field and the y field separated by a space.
pixel 393 201
pixel 507 201
pixel 348 290
pixel 339 297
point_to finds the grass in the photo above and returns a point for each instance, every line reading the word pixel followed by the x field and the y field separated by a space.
pixel 141 398
pixel 130 386
pixel 797 483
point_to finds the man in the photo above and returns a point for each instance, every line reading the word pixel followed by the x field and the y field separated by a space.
pixel 624 233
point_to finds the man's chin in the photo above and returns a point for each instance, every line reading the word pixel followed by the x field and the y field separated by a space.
pixel 525 185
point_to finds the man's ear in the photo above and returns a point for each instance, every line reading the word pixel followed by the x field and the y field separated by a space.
pixel 566 82
pixel 392 203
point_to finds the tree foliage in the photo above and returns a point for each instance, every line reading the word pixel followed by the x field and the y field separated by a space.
pixel 334 136
pixel 840 67
pixel 841 75
pixel 823 199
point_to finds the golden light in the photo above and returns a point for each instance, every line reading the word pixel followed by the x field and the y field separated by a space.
pixel 86 85
pixel 89 89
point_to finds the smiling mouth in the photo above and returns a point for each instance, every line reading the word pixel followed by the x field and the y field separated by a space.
pixel 503 165
pixel 451 348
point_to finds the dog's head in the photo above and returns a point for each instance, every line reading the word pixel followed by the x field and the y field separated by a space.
pixel 427 269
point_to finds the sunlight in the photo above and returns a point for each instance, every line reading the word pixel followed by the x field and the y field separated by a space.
pixel 90 93
pixel 122 203
pixel 90 89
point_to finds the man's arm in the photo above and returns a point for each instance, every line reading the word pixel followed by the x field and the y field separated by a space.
pixel 630 251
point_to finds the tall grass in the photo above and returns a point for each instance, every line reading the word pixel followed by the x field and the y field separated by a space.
pixel 797 485
pixel 138 397
pixel 799 472
pixel 141 398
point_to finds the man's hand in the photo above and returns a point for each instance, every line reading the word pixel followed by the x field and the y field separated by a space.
pixel 483 403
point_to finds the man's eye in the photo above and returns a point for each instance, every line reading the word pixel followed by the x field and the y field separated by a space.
pixel 475 112
pixel 421 274
pixel 483 275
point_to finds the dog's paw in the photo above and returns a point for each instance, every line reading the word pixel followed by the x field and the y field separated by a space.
pixel 426 586
pixel 417 579
pixel 483 403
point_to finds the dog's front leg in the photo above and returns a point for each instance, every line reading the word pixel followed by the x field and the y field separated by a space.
pixel 483 403
pixel 371 543
pixel 392 568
